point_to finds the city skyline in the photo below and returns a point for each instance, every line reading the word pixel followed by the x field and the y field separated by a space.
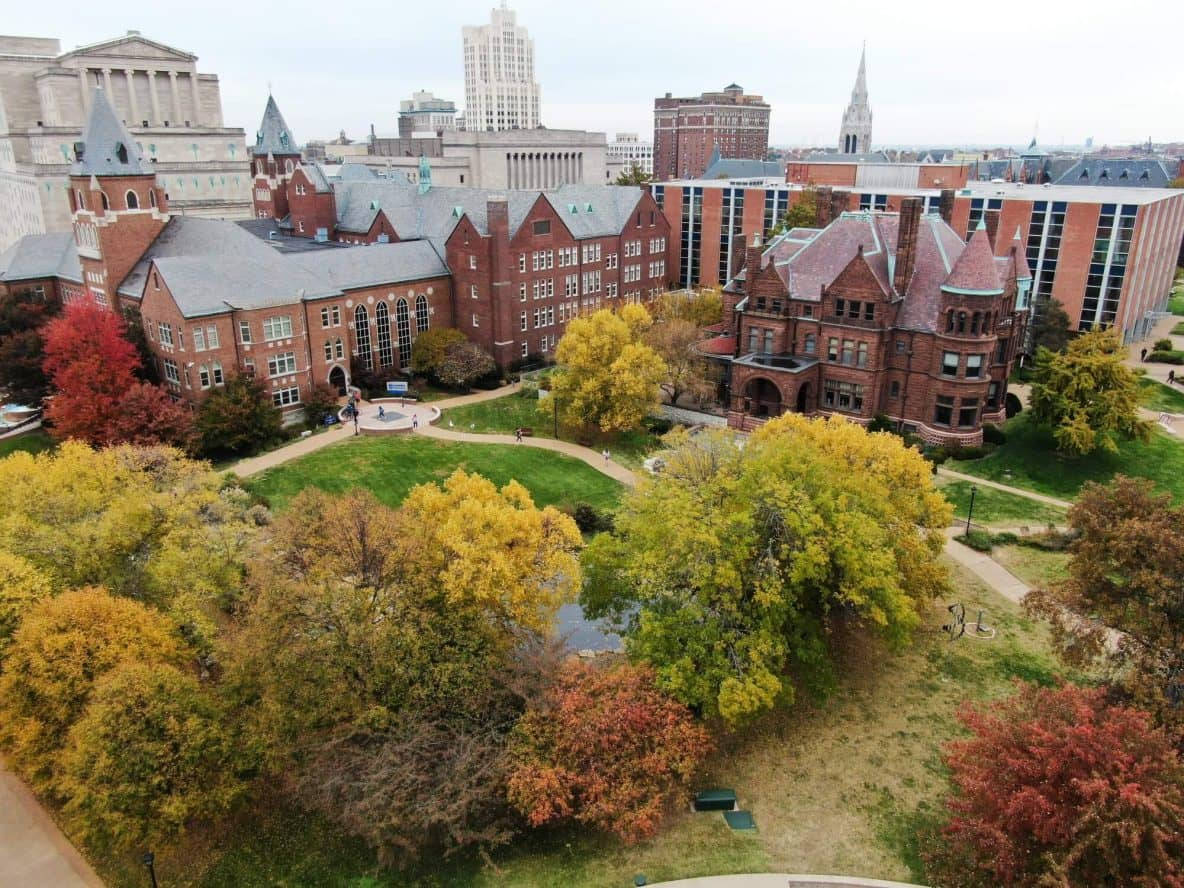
pixel 337 76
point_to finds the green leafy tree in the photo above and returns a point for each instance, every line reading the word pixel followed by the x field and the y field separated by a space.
pixel 239 418
pixel 1087 395
pixel 1125 576
pixel 150 754
pixel 608 378
pixel 1050 327
pixel 321 402
pixel 635 175
pixel 803 214
pixel 429 348
pixel 731 570
pixel 687 372
pixel 63 646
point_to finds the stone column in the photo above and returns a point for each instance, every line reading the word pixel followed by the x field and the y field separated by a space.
pixel 131 97
pixel 85 92
pixel 177 118
pixel 196 121
pixel 107 86
pixel 155 121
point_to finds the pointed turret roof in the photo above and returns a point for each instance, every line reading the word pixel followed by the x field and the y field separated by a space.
pixel 861 78
pixel 974 271
pixel 107 148
pixel 274 137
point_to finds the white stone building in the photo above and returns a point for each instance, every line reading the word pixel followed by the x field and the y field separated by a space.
pixel 424 113
pixel 627 149
pixel 855 134
pixel 173 111
pixel 500 89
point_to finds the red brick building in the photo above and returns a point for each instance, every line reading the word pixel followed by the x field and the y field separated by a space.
pixel 877 313
pixel 351 272
pixel 688 131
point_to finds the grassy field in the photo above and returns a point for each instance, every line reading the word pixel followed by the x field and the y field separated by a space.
pixel 1036 567
pixel 390 466
pixel 32 442
pixel 998 507
pixel 503 415
pixel 1154 395
pixel 1029 459
pixel 836 786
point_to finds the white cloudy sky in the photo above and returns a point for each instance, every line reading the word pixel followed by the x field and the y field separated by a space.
pixel 938 73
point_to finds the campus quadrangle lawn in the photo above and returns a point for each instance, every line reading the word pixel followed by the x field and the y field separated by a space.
pixel 1154 395
pixel 390 466
pixel 1029 459
pixel 33 442
pixel 998 507
pixel 836 786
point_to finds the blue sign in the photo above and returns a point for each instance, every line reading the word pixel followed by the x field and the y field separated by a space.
pixel 396 388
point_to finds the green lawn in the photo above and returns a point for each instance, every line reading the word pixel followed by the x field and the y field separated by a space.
pixel 1029 459
pixel 998 507
pixel 503 415
pixel 32 442
pixel 1154 395
pixel 1036 567
pixel 835 786
pixel 390 466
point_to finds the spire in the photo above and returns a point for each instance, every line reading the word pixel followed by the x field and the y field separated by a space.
pixel 859 94
pixel 273 137
pixel 855 134
pixel 107 148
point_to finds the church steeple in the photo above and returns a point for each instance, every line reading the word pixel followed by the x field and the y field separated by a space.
pixel 855 134
pixel 275 156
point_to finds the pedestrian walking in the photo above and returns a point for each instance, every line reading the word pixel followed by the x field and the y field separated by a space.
pixel 381 412
pixel 605 454
pixel 1143 355
pixel 1171 376
pixel 414 421
pixel 518 435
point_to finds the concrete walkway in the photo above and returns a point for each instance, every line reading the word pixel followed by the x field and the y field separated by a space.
pixel 781 880
pixel 986 568
pixel 33 851
pixel 1006 488
pixel 253 465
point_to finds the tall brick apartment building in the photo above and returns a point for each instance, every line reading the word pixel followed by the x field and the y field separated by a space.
pixel 877 312
pixel 350 274
pixel 688 131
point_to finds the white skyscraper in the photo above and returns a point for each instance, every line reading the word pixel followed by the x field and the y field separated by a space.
pixel 500 89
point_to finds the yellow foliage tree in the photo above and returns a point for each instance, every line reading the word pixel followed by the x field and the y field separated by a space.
pixel 607 378
pixel 62 647
pixel 142 522
pixel 21 586
pixel 699 307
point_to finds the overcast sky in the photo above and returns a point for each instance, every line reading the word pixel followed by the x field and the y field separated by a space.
pixel 940 74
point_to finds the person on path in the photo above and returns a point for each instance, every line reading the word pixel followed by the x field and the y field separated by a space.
pixel 1171 376
pixel 1143 355
pixel 606 455
pixel 518 435
pixel 381 412
pixel 415 421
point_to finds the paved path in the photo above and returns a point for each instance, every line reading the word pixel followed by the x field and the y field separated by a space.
pixel 781 880
pixel 33 851
pixel 253 465
pixel 1007 488
pixel 986 568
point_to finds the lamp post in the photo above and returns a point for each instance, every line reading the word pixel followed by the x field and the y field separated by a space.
pixel 555 412
pixel 150 862
pixel 970 509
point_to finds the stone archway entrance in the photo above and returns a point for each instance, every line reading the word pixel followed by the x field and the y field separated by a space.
pixel 762 398
pixel 337 380
pixel 803 399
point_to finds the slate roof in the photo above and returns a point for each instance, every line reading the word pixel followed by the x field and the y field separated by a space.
pixel 369 266
pixel 108 148
pixel 274 136
pixel 41 256
pixel 1128 173
pixel 316 175
pixel 837 157
pixel 975 268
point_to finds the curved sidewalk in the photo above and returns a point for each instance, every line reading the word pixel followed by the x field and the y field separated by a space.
pixel 782 880
pixel 1006 488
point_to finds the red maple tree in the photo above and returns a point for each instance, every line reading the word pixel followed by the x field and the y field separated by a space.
pixel 97 397
pixel 1057 788
pixel 605 748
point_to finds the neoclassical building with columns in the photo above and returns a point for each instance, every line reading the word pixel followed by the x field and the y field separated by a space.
pixel 173 112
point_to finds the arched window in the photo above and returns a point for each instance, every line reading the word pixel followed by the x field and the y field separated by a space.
pixel 422 312
pixel 328 351
pixel 961 322
pixel 362 337
pixel 382 320
pixel 403 320
pixel 106 203
pixel 339 349
pixel 78 197
pixel 950 321
pixel 132 200
pixel 288 167
pixel 975 321
pixel 203 375
pixel 152 197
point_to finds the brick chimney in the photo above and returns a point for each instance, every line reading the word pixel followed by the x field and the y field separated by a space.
pixel 991 220
pixel 839 201
pixel 946 206
pixel 497 216
pixel 906 242
pixel 752 261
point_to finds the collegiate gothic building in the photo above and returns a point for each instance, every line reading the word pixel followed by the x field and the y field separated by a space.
pixel 877 313
pixel 334 273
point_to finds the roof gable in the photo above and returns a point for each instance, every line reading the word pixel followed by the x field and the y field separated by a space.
pixel 130 45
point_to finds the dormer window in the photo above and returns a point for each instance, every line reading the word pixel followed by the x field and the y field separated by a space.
pixel 1084 174
pixel 121 152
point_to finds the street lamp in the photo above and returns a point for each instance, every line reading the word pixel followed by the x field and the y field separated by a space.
pixel 150 861
pixel 970 510
pixel 555 411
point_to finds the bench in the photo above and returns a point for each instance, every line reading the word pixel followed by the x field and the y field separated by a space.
pixel 715 800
